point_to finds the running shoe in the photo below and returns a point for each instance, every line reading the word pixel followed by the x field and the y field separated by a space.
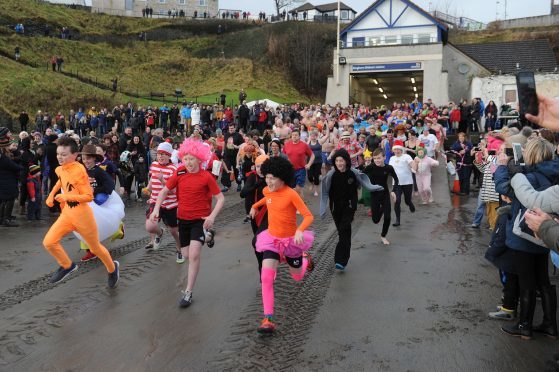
pixel 157 242
pixel 310 262
pixel 267 326
pixel 186 299
pixel 502 314
pixel 315 193
pixel 225 189
pixel 62 273
pixel 210 242
pixel 340 267
pixel 412 208
pixel 149 245
pixel 238 188
pixel 114 276
pixel 88 256
pixel 180 258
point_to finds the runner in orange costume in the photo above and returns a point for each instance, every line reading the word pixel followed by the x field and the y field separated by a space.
pixel 76 214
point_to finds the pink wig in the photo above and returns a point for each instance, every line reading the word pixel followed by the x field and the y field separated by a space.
pixel 200 150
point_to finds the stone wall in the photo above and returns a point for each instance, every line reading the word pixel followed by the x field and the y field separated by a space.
pixel 538 21
pixel 493 87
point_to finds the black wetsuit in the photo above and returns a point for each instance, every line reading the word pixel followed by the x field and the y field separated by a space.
pixel 380 200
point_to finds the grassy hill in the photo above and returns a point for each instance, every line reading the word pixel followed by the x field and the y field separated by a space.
pixel 183 54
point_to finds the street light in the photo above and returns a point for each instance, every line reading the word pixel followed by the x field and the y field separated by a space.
pixel 413 80
pixel 338 47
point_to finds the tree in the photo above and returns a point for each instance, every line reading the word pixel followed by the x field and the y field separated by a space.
pixel 280 4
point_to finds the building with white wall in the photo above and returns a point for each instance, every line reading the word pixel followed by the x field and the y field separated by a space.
pixel 324 12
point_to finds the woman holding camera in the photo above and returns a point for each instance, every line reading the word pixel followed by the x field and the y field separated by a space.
pixel 530 259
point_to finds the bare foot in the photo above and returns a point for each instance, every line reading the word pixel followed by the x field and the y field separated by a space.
pixel 384 241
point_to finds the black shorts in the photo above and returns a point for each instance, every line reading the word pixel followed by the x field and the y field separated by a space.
pixel 293 262
pixel 168 216
pixel 191 230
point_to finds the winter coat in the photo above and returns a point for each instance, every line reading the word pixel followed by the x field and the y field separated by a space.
pixel 540 177
pixel 9 175
pixel 549 233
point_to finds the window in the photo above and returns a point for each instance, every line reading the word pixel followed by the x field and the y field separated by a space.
pixel 407 39
pixel 423 38
pixel 391 39
pixel 201 2
pixel 344 14
pixel 358 42
pixel 162 1
pixel 182 2
pixel 374 41
pixel 510 95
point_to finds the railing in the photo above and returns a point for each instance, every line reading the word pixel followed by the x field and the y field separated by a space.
pixel 370 43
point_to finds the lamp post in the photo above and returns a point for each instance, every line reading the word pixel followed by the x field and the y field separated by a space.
pixel 338 48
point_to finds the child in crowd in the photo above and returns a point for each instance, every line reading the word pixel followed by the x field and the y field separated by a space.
pixel 421 166
pixel 378 172
pixel 141 176
pixel 103 188
pixel 283 240
pixel 195 187
pixel 35 193
pixel 76 214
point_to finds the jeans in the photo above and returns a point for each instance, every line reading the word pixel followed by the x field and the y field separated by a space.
pixel 480 210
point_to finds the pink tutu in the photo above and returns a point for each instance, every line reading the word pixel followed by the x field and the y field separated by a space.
pixel 284 246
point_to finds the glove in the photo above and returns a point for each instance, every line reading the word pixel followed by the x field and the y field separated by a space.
pixel 100 198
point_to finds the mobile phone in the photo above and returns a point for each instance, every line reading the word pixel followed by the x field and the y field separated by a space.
pixel 509 152
pixel 492 152
pixel 527 97
pixel 517 154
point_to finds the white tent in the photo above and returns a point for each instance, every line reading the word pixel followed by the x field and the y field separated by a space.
pixel 266 102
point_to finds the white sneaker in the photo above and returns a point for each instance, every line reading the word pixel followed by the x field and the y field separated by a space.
pixel 157 241
pixel 315 193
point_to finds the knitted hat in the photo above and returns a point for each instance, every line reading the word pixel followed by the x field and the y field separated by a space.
pixel 521 137
pixel 4 138
pixel 34 169
pixel 165 147
pixel 398 145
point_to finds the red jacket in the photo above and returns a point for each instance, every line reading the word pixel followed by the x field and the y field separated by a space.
pixel 455 115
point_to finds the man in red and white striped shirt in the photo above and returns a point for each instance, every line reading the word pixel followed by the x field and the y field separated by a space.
pixel 159 172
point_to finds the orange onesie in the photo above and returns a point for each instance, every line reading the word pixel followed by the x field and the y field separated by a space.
pixel 76 215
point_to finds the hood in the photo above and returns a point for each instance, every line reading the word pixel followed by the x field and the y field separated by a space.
pixel 345 155
pixel 26 143
pixel 550 169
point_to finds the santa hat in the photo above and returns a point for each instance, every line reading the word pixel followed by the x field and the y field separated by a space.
pixel 398 145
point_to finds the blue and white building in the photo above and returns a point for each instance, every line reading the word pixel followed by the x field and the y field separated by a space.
pixel 397 51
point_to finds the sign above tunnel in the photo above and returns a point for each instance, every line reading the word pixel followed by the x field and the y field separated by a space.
pixel 386 67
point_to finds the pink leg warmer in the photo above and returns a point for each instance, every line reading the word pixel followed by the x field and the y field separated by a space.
pixel 299 277
pixel 268 277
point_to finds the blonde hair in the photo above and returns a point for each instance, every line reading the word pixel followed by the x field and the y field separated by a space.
pixel 537 151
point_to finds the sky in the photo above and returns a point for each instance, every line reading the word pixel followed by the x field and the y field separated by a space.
pixel 480 10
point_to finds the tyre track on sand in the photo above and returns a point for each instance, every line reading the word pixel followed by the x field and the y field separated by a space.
pixel 23 331
pixel 32 288
pixel 296 306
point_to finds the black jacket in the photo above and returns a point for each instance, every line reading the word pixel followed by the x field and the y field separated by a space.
pixel 9 175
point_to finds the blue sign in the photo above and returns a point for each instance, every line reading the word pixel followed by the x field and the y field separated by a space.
pixel 387 67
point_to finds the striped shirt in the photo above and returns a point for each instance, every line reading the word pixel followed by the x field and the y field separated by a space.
pixel 155 169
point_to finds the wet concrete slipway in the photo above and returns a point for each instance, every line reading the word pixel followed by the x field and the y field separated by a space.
pixel 419 304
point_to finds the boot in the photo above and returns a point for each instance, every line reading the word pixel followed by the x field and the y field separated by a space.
pixel 549 305
pixel 523 328
pixel 8 221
